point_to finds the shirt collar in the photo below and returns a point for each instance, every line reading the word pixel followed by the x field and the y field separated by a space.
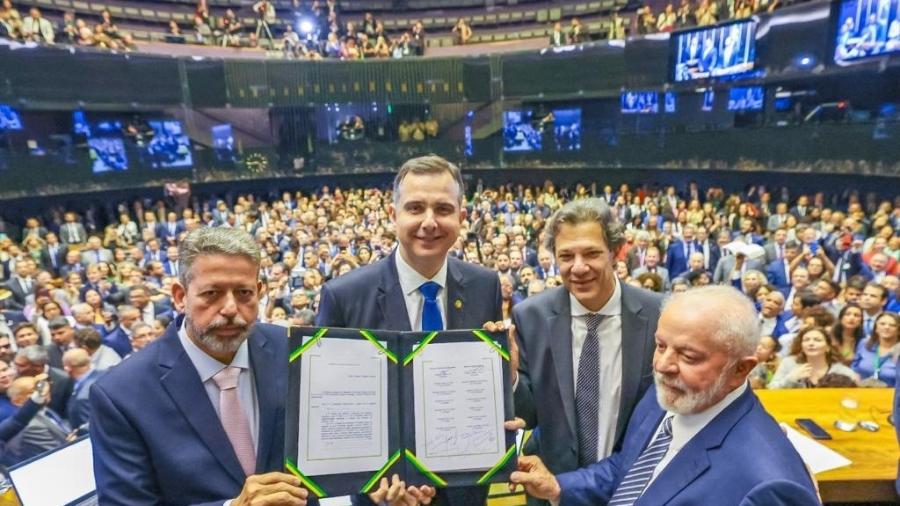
pixel 207 366
pixel 613 306
pixel 410 280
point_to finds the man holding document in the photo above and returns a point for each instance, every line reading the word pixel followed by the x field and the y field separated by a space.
pixel 418 287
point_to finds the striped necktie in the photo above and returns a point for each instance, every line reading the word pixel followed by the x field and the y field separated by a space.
pixel 587 393
pixel 638 476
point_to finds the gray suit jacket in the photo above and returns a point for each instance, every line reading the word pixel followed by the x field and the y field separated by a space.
pixel 726 264
pixel 545 394
pixel 40 435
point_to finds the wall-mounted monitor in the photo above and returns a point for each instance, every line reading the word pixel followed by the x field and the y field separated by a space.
pixel 716 51
pixel 223 142
pixel 520 132
pixel 670 105
pixel 640 102
pixel 9 119
pixel 746 98
pixel 709 101
pixel 866 28
pixel 170 147
pixel 567 129
pixel 107 154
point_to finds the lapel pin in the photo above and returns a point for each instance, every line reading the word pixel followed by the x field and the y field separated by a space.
pixel 457 304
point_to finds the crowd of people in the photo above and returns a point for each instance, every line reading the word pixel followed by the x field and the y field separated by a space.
pixel 81 294
pixel 687 14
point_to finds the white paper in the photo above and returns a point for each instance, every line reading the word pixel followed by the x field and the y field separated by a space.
pixel 343 408
pixel 459 406
pixel 817 456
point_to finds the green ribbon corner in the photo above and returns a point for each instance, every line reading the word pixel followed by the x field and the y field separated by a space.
pixel 371 338
pixel 377 476
pixel 437 480
pixel 418 348
pixel 485 478
pixel 311 485
pixel 305 346
pixel 493 344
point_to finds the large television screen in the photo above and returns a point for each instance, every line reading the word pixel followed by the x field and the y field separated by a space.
pixel 107 154
pixel 716 51
pixel 170 146
pixel 567 129
pixel 640 102
pixel 520 132
pixel 749 98
pixel 867 28
pixel 9 119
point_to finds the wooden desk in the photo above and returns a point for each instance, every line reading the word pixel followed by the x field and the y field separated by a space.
pixel 872 474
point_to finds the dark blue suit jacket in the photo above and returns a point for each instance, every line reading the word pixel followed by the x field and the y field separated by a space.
pixel 157 438
pixel 119 341
pixel 676 260
pixel 473 298
pixel 740 458
pixel 778 275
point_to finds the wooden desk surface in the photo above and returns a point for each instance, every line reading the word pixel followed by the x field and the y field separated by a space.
pixel 872 474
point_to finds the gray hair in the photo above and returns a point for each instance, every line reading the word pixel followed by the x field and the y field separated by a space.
pixel 586 211
pixel 214 241
pixel 34 354
pixel 80 307
pixel 127 308
pixel 733 321
pixel 138 325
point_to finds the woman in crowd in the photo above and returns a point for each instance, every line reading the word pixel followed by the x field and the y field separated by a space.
pixel 651 281
pixel 768 362
pixel 462 32
pixel 876 356
pixel 811 358
pixel 847 332
pixel 92 298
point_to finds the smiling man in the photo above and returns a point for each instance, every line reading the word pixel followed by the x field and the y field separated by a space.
pixel 418 287
pixel 585 348
pixel 700 436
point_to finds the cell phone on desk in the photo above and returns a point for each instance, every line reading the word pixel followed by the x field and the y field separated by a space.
pixel 815 430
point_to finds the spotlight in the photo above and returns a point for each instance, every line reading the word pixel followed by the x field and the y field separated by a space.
pixel 306 26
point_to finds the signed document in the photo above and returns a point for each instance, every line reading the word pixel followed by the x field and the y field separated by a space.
pixel 344 408
pixel 459 406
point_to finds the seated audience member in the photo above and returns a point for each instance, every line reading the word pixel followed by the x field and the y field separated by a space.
pixel 36 28
pixel 876 357
pixel 701 410
pixel 767 362
pixel 462 32
pixel 811 358
pixel 846 334
pixel 33 361
pixel 45 431
pixel 77 363
pixel 102 356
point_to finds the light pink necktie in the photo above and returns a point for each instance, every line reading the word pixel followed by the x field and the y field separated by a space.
pixel 234 421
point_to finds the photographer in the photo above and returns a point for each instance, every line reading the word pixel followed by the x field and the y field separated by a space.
pixel 265 16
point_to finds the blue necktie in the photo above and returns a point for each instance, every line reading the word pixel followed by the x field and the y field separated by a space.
pixel 431 312
pixel 587 392
pixel 638 476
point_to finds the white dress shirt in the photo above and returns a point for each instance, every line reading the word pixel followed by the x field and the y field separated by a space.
pixel 685 427
pixel 410 281
pixel 148 314
pixel 207 367
pixel 610 336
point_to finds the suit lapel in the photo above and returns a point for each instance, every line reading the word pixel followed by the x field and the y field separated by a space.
pixel 560 338
pixel 634 338
pixel 262 361
pixel 390 299
pixel 455 293
pixel 693 459
pixel 181 381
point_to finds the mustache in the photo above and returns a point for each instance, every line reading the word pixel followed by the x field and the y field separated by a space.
pixel 236 321
pixel 676 382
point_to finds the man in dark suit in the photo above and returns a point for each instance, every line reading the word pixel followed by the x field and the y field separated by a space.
pixel 680 252
pixel 778 270
pixel 62 336
pixel 77 363
pixel 198 416
pixel 72 264
pixel 31 361
pixel 53 254
pixel 21 284
pixel 119 338
pixel 696 436
pixel 585 348
pixel 427 213
pixel 171 229
pixel 45 431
